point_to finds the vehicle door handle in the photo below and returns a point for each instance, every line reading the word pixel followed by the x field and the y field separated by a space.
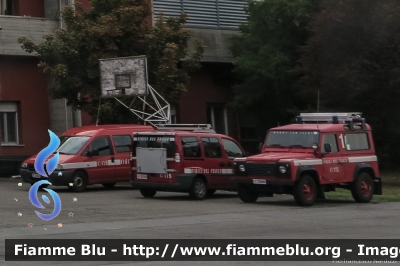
pixel 112 159
pixel 221 164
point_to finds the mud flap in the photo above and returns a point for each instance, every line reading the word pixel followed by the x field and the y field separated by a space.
pixel 377 186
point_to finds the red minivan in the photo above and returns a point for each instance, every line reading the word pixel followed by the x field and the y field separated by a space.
pixel 89 155
pixel 186 158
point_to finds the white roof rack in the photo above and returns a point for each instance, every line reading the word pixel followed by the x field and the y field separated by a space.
pixel 329 117
pixel 187 127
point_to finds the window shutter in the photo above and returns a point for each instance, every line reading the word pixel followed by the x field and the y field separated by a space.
pixel 8 107
pixel 204 13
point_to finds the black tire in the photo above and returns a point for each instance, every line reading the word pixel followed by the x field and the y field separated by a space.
pixel 362 189
pixel 246 194
pixel 305 191
pixel 198 190
pixel 211 192
pixel 79 180
pixel 148 192
pixel 109 185
pixel 41 186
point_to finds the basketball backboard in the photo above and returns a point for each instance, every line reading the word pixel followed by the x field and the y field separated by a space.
pixel 124 76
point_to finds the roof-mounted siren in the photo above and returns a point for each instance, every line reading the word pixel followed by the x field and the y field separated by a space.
pixel 187 127
pixel 334 118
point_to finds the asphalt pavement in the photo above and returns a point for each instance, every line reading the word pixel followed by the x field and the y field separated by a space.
pixel 122 213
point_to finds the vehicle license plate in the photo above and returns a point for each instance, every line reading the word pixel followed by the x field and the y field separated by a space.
pixel 141 176
pixel 259 181
pixel 35 175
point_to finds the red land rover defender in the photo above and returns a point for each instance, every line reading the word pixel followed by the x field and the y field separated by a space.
pixel 323 151
pixel 185 158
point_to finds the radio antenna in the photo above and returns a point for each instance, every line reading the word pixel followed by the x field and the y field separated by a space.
pixel 318 103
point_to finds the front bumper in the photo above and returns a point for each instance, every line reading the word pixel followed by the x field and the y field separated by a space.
pixel 57 178
pixel 182 184
pixel 259 181
pixel 265 186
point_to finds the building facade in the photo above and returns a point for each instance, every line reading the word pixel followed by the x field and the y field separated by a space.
pixel 26 111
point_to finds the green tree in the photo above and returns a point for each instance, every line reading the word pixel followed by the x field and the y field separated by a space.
pixel 353 59
pixel 265 56
pixel 114 28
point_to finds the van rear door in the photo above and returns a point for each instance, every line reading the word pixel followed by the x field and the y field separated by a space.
pixel 155 158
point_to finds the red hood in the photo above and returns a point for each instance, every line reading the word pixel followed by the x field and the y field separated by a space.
pixel 274 157
pixel 64 158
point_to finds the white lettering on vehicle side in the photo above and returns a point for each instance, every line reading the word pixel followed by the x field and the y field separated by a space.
pixel 358 159
pixel 99 163
pixel 334 169
pixel 208 171
pixel 340 160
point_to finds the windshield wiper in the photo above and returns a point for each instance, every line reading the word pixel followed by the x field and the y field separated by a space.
pixel 60 152
pixel 297 145
pixel 276 145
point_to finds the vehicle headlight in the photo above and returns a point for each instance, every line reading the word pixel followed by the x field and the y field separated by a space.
pixel 59 167
pixel 282 169
pixel 24 165
pixel 242 168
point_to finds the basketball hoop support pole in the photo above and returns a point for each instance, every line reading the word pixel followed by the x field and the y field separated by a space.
pixel 161 111
pixel 124 76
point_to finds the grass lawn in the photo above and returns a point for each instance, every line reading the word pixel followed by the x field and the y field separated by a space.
pixel 390 187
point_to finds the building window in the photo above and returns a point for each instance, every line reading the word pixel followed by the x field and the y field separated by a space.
pixel 6 7
pixel 217 116
pixel 9 123
pixel 173 116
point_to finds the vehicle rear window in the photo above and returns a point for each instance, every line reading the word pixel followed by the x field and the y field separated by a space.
pixel 191 147
pixel 212 148
pixel 154 141
pixel 356 141
pixel 122 143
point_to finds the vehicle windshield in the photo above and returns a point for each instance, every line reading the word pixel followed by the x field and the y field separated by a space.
pixel 72 145
pixel 154 141
pixel 292 139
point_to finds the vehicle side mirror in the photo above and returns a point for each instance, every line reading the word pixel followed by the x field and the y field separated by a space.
pixel 327 147
pixel 260 146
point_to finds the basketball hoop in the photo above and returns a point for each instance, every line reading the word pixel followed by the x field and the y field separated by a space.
pixel 127 76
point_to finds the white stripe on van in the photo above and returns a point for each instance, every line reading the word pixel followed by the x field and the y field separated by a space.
pixel 307 162
pixel 208 171
pixel 79 165
pixel 363 159
pixel 360 159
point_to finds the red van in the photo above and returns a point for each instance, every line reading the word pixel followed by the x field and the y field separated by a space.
pixel 89 155
pixel 183 158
